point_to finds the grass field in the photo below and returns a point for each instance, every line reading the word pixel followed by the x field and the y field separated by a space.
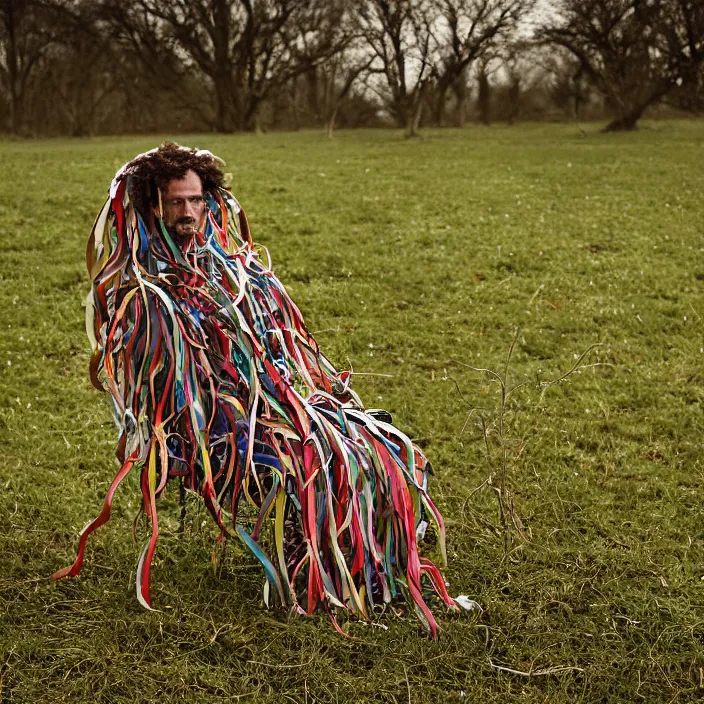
pixel 411 260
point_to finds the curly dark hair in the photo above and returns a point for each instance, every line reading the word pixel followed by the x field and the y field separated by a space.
pixel 150 173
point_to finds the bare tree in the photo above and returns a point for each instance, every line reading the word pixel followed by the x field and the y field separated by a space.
pixel 25 36
pixel 339 76
pixel 331 58
pixel 81 42
pixel 484 91
pixel 568 87
pixel 470 28
pixel 246 48
pixel 234 43
pixel 635 52
pixel 515 73
pixel 151 71
pixel 520 66
pixel 400 34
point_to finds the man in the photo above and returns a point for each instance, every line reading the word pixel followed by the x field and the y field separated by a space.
pixel 215 380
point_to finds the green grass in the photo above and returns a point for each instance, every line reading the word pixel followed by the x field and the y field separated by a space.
pixel 410 259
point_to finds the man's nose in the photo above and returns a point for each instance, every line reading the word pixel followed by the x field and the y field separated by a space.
pixel 191 210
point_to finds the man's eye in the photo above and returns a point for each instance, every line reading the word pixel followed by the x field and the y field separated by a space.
pixel 193 200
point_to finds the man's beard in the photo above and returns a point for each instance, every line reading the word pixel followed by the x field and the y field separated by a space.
pixel 176 230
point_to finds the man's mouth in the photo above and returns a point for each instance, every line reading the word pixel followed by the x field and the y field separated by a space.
pixel 186 227
pixel 181 229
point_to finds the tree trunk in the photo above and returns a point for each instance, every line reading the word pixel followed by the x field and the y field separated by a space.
pixel 514 97
pixel 221 113
pixel 11 23
pixel 17 96
pixel 577 86
pixel 439 108
pixel 625 123
pixel 484 98
pixel 459 88
pixel 294 105
pixel 461 115
pixel 400 111
pixel 414 115
pixel 627 117
pixel 16 112
pixel 330 123
pixel 253 120
pixel 225 119
pixel 80 129
pixel 312 80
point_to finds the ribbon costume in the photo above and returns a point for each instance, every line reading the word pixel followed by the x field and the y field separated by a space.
pixel 215 380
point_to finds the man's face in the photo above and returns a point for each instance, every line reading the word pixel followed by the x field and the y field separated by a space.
pixel 183 206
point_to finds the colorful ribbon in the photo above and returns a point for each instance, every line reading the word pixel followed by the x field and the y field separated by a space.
pixel 216 381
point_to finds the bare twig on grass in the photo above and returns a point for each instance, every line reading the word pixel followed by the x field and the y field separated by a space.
pixel 545 385
pixel 535 295
pixel 281 667
pixel 505 500
pixel 408 684
pixel 537 673
pixel 494 434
